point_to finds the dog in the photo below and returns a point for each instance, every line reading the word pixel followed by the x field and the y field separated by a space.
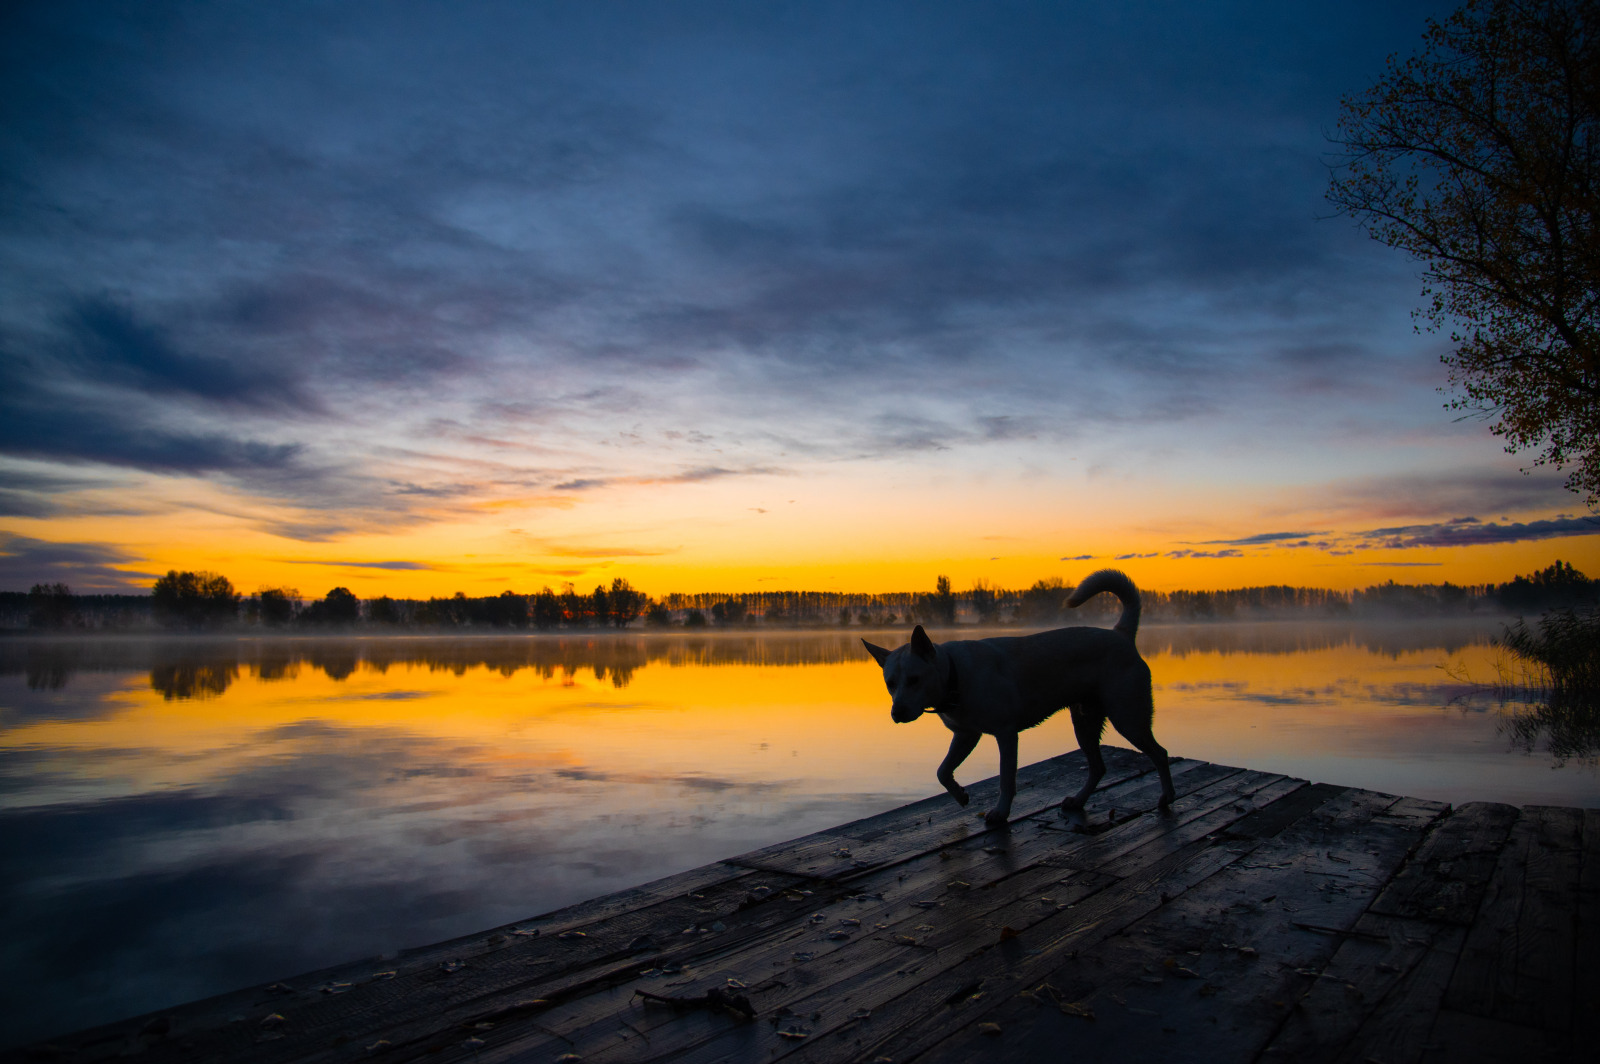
pixel 1000 686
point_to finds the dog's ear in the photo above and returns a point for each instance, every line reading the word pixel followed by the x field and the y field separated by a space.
pixel 878 653
pixel 921 645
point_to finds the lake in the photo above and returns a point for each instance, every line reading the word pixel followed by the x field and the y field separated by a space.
pixel 180 817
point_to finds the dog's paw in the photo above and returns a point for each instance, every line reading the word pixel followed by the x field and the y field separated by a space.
pixel 1072 805
pixel 960 795
pixel 997 817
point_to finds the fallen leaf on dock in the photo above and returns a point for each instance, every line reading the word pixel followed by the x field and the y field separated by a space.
pixel 379 1046
pixel 378 977
pixel 273 1019
pixel 839 936
pixel 448 967
pixel 1076 1008
pixel 905 940
pixel 793 1033
pixel 572 935
pixel 851 922
pixel 990 1029
pixel 1008 932
pixel 527 932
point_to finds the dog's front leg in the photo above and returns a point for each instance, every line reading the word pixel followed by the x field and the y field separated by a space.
pixel 962 743
pixel 1008 780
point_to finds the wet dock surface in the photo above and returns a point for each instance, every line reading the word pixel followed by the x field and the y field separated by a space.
pixel 1264 918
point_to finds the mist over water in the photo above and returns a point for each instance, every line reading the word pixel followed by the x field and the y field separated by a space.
pixel 183 817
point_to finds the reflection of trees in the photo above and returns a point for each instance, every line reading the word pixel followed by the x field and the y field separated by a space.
pixel 193 679
pixel 1560 663
pixel 202 666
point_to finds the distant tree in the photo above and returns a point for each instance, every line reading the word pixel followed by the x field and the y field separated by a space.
pixel 383 610
pixel 657 616
pixel 194 599
pixel 728 612
pixel 338 609
pixel 985 602
pixel 276 606
pixel 940 607
pixel 1044 602
pixel 50 606
pixel 1554 587
pixel 1480 157
pixel 625 602
pixel 546 609
pixel 695 619
pixel 506 610
pixel 574 607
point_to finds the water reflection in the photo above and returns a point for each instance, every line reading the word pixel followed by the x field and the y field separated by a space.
pixel 200 668
pixel 178 817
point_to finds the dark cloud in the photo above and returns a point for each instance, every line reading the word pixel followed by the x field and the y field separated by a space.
pixel 1469 532
pixel 85 567
pixel 109 345
pixel 395 565
pixel 1261 538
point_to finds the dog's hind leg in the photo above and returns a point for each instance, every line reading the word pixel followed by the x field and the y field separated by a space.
pixel 962 743
pixel 1087 724
pixel 1008 780
pixel 1134 722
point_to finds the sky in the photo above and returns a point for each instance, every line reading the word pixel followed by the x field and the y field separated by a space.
pixel 414 298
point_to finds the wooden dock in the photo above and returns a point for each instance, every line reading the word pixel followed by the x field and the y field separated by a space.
pixel 1264 919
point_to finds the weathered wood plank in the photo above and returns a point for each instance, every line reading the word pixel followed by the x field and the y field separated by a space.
pixel 1586 981
pixel 1460 1036
pixel 1377 997
pixel 1175 979
pixel 1445 879
pixel 899 834
pixel 1517 964
pixel 927 1010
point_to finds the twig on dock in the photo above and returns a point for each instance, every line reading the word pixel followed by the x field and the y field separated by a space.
pixel 715 998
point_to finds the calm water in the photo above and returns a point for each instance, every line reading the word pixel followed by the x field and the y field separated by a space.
pixel 179 818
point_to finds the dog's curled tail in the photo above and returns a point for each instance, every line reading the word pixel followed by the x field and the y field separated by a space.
pixel 1116 582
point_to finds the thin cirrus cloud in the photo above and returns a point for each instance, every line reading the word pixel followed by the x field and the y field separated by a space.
pixel 392 566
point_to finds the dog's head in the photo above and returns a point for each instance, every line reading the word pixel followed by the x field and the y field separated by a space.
pixel 912 675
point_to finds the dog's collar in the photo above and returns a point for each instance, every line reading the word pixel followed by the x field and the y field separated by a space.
pixel 951 702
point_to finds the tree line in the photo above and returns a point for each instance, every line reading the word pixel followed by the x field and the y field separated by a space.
pixel 199 601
